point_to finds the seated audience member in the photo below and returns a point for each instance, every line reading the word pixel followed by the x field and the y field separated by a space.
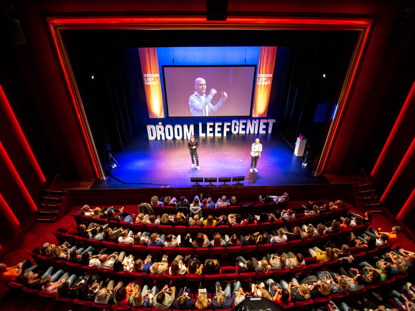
pixel 295 235
pixel 96 213
pixel 147 264
pixel 334 228
pixel 223 299
pixel 203 303
pixel 345 224
pixel 218 241
pixel 222 202
pixel 325 277
pixel 141 239
pixel 196 221
pixel 186 241
pixel 145 209
pixel 367 216
pixel 168 201
pixel 164 299
pixel 232 241
pixel 104 261
pixel 320 230
pixel 250 221
pixel 210 221
pixel 122 294
pixel 308 231
pixel 140 219
pixel 259 291
pixel 155 201
pixel 234 201
pixel 238 293
pixel 194 267
pixel 314 211
pixel 287 214
pixel 207 203
pixel 183 205
pixel 263 217
pixel 96 235
pixel 195 208
pixel 69 289
pixel 11 273
pixel 165 220
pixel 82 231
pixel 112 235
pixel 392 236
pixel 121 217
pixel 159 267
pixel 153 220
pixel 266 199
pixel 201 240
pixel 211 266
pixel 85 210
pixel 261 265
pixel 50 283
pixel 172 240
pixel 280 237
pixel 181 220
pixel 322 256
pixel 156 240
pixel 126 237
pixel 276 215
pixel 144 298
pixel 248 240
pixel 276 261
pixel 293 261
pixel 263 238
pixel 184 300
pixel 245 265
pixel 297 292
pixel 223 221
pixel 177 266
pixel 103 295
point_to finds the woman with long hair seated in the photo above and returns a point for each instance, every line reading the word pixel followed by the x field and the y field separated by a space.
pixel 201 240
pixel 210 221
pixel 202 302
pixel 232 241
pixel 322 256
pixel 195 267
pixel 217 241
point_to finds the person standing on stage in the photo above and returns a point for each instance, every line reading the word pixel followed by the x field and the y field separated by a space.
pixel 255 154
pixel 200 104
pixel 192 144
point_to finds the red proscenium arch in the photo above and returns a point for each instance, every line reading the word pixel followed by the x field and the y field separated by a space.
pixel 410 203
pixel 18 130
pixel 410 153
pixel 16 178
pixel 8 213
pixel 395 128
pixel 98 22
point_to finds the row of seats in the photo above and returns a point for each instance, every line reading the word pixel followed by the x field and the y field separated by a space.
pixel 226 274
pixel 237 229
pixel 71 237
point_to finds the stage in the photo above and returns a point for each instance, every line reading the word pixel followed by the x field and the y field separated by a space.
pixel 167 163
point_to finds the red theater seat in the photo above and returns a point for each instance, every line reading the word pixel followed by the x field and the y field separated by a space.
pixel 180 230
pixel 221 210
pixel 194 229
pixel 152 228
pixel 209 229
pixel 264 226
pixel 167 229
pixel 237 229
pixel 224 229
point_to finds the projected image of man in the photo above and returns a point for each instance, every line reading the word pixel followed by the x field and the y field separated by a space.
pixel 200 104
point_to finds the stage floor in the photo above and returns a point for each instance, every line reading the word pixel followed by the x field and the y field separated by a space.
pixel 158 163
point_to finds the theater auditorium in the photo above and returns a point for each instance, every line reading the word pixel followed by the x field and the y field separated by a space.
pixel 207 155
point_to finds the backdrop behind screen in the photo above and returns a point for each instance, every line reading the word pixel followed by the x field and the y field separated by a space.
pixel 236 81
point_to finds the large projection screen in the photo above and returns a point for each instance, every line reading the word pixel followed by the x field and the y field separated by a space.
pixel 237 81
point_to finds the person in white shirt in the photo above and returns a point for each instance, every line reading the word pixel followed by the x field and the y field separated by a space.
pixel 281 237
pixel 256 150
pixel 126 237
pixel 200 104
pixel 287 215
pixel 177 266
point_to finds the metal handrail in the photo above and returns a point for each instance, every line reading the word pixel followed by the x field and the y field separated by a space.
pixel 368 183
pixel 50 191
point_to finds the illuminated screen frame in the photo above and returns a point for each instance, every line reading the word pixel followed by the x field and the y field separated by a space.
pixel 191 117
pixel 57 24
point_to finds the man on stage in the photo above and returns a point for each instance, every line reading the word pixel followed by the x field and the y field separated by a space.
pixel 255 154
pixel 200 104
pixel 192 144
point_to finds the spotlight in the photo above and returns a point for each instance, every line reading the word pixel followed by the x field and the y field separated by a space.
pixel 160 123
pixel 324 75
pixel 92 77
